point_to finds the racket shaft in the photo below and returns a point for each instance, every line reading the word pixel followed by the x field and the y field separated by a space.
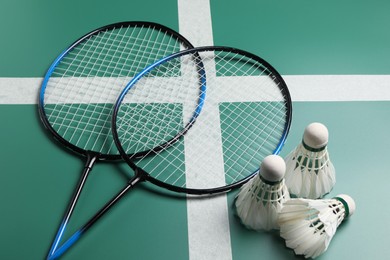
pixel 91 159
pixel 78 234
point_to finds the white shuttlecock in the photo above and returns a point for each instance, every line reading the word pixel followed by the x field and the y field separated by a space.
pixel 260 200
pixel 309 171
pixel 309 225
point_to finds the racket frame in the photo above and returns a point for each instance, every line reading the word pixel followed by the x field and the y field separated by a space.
pixel 41 103
pixel 194 191
pixel 91 156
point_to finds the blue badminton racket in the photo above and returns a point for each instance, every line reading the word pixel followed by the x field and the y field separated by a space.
pixel 81 86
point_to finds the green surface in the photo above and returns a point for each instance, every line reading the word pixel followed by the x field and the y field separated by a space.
pixel 38 31
pixel 308 37
pixel 297 37
pixel 37 176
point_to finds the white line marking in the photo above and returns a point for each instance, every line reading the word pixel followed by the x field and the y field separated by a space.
pixel 195 22
pixel 208 220
pixel 339 87
pixel 19 90
pixel 302 88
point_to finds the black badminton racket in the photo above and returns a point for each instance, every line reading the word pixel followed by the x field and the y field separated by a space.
pixel 81 86
pixel 245 116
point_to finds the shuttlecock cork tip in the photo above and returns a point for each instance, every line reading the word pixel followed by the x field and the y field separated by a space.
pixel 348 202
pixel 316 136
pixel 273 168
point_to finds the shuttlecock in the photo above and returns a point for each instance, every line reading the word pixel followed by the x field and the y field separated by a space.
pixel 260 200
pixel 309 225
pixel 309 171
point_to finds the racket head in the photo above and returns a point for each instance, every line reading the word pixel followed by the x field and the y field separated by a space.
pixel 245 116
pixel 82 84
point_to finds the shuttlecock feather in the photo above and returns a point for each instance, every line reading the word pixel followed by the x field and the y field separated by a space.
pixel 308 225
pixel 309 171
pixel 260 200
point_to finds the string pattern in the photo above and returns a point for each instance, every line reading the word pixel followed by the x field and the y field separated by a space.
pixel 86 82
pixel 244 117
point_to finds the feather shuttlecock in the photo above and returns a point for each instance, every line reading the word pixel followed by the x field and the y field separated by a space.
pixel 260 200
pixel 309 171
pixel 309 225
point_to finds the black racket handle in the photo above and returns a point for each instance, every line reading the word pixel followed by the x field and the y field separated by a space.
pixel 91 159
pixel 140 176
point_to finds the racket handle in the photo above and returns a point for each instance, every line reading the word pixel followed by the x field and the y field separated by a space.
pixel 91 159
pixel 139 176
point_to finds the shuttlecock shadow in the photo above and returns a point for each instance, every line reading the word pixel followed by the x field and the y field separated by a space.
pixel 267 244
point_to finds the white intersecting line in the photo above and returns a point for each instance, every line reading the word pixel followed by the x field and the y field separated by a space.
pixel 302 88
pixel 208 219
pixel 88 96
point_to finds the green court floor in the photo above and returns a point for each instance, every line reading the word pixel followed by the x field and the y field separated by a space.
pixel 299 38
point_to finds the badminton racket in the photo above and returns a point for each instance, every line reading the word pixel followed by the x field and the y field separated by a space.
pixel 245 116
pixel 83 83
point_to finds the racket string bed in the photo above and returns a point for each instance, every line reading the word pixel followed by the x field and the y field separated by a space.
pixel 156 119
pixel 245 117
pixel 87 81
pixel 89 84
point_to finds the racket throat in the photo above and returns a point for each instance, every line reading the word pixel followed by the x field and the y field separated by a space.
pixel 140 176
pixel 92 157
